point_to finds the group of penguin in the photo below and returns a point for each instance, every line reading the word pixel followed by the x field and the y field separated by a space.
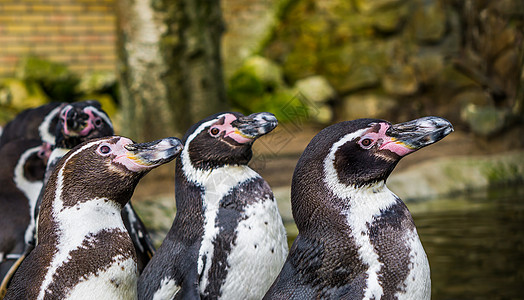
pixel 68 230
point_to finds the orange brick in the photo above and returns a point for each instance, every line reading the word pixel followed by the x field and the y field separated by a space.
pixel 71 8
pixel 59 18
pixel 102 28
pixel 63 38
pixel 48 28
pixel 76 29
pixel 7 18
pixel 100 8
pixel 31 18
pixel 89 18
pixel 35 38
pixel 73 47
pixel 17 49
pixel 44 7
pixel 13 8
pixel 5 39
pixel 8 59
pixel 48 48
pixel 19 28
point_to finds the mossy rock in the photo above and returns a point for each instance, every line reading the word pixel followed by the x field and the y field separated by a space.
pixel 355 66
pixel 258 86
pixel 369 7
pixel 20 94
pixel 56 80
pixel 97 82
pixel 428 22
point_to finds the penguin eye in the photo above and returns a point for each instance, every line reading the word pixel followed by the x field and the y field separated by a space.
pixel 366 143
pixel 104 149
pixel 214 131
pixel 98 122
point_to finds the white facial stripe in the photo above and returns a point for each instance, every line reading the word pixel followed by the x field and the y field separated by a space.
pixel 364 205
pixel 78 222
pixel 30 189
pixel 330 173
pixel 191 173
pixel 100 113
pixel 168 289
pixel 43 129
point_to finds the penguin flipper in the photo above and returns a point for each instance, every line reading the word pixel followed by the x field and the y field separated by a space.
pixel 139 236
pixel 171 272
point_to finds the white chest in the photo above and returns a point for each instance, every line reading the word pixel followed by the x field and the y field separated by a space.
pixel 119 281
pixel 259 254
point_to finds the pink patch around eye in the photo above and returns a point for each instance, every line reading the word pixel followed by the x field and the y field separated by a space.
pixel 391 144
pixel 388 143
pixel 396 147
pixel 90 123
pixel 231 131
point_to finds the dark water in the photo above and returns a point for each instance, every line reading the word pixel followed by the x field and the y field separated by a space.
pixel 475 244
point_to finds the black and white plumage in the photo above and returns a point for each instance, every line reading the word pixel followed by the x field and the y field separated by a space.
pixel 23 165
pixel 73 124
pixel 33 123
pixel 83 250
pixel 357 240
pixel 227 240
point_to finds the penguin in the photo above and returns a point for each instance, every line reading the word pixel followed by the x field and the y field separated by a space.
pixel 83 249
pixel 33 123
pixel 79 122
pixel 73 124
pixel 357 239
pixel 227 239
pixel 23 165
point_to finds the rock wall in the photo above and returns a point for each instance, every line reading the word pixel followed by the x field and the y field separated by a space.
pixel 398 59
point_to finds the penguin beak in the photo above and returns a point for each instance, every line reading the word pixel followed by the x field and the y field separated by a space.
pixel 153 154
pixel 410 136
pixel 255 125
pixel 74 119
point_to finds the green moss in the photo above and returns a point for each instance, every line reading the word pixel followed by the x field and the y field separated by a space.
pixel 258 86
pixel 503 173
pixel 57 81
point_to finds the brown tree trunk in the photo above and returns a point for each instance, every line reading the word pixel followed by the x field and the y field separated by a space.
pixel 170 71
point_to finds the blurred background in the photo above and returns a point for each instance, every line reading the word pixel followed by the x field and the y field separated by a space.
pixel 158 66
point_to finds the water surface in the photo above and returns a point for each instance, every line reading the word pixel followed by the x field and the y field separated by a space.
pixel 475 244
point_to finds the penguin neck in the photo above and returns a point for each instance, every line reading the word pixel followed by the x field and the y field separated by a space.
pixel 62 222
pixel 213 184
pixel 318 195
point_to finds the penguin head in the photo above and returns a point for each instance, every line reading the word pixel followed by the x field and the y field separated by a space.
pixel 111 167
pixel 81 121
pixel 365 151
pixel 225 139
pixel 35 164
pixel 25 158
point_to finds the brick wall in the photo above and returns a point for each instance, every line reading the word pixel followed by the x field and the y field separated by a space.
pixel 79 33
